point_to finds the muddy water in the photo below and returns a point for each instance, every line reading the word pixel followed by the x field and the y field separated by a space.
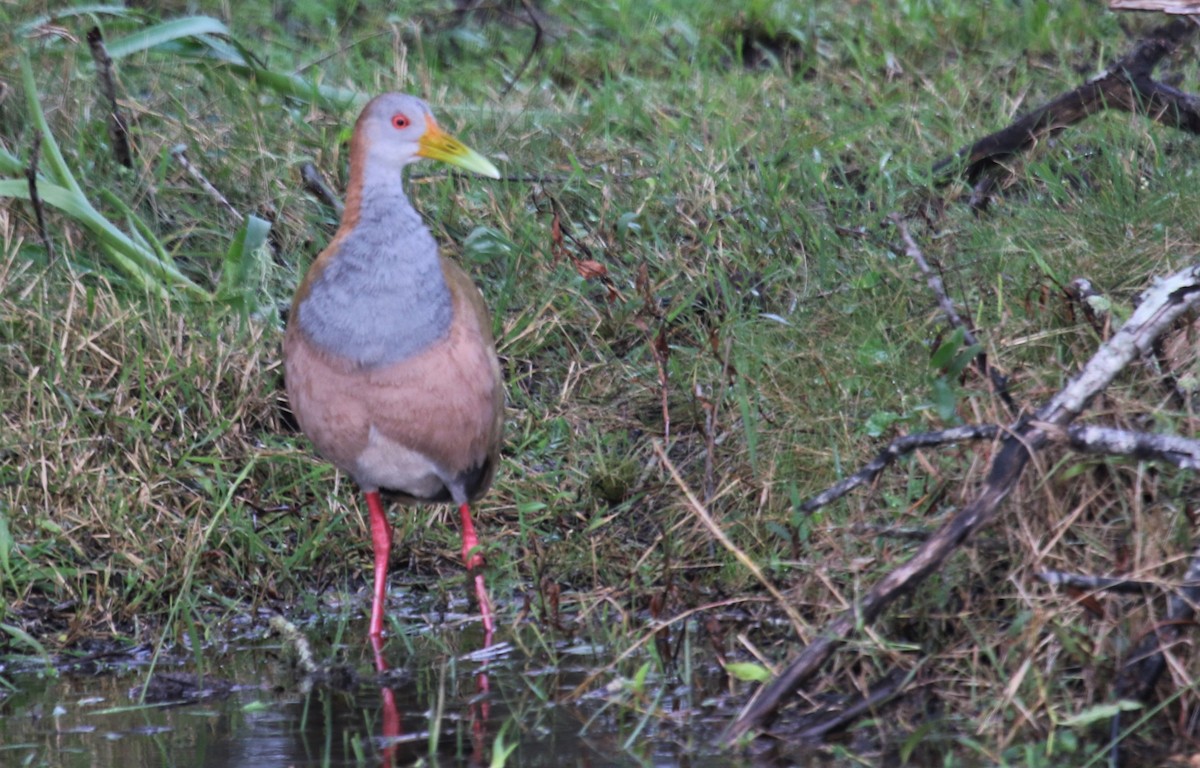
pixel 441 706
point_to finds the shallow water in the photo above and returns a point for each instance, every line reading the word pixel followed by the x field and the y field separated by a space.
pixel 448 708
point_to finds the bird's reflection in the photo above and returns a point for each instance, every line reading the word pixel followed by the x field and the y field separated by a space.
pixel 478 709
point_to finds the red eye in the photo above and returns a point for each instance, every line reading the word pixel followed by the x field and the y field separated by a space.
pixel 400 121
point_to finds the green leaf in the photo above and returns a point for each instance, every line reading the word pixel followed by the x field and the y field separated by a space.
pixel 944 354
pixel 1100 712
pixel 167 31
pixel 638 685
pixel 244 268
pixel 914 740
pixel 501 750
pixel 748 671
pixel 26 639
pixel 10 163
pixel 880 422
pixel 58 170
pixel 7 544
pixel 94 9
pixel 962 360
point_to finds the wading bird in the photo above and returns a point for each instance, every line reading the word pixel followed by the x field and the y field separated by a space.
pixel 389 360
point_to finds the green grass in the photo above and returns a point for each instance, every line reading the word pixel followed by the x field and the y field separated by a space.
pixel 151 485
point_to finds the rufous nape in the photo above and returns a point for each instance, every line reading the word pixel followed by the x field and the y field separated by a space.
pixel 390 365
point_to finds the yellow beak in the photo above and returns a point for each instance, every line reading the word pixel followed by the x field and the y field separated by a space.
pixel 436 144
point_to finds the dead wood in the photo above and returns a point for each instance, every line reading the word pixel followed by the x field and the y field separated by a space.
pixel 891 686
pixel 1126 85
pixel 35 200
pixel 118 130
pixel 1160 306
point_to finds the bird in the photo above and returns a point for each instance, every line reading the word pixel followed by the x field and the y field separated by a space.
pixel 390 365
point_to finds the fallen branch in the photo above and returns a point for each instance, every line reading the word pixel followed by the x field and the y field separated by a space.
pixel 1126 85
pixel 1160 306
pixel 879 694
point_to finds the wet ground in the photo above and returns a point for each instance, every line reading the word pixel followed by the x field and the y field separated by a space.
pixel 445 700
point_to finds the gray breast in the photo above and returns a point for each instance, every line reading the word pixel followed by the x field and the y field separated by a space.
pixel 381 299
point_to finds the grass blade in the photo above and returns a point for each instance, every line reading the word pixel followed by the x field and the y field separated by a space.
pixel 167 31
pixel 94 9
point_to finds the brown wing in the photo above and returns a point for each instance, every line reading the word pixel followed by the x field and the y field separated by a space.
pixel 424 425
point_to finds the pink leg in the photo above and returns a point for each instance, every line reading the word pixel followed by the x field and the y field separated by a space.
pixel 381 538
pixel 473 560
pixel 391 715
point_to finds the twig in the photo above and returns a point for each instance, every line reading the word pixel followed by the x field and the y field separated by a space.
pixel 179 152
pixel 1161 304
pixel 1179 451
pixel 1092 583
pixel 896 449
pixel 998 380
pixel 39 214
pixel 118 131
pixel 1092 302
pixel 915 532
pixel 315 183
pixel 533 48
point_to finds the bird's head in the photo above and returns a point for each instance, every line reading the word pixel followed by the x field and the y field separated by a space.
pixel 400 129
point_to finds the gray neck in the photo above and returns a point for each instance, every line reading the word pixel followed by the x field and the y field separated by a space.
pixel 383 296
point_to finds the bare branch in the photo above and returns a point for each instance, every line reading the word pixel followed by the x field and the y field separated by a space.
pixel 1161 305
pixel 534 47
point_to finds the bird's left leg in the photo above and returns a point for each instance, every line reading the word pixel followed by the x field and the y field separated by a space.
pixel 474 562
